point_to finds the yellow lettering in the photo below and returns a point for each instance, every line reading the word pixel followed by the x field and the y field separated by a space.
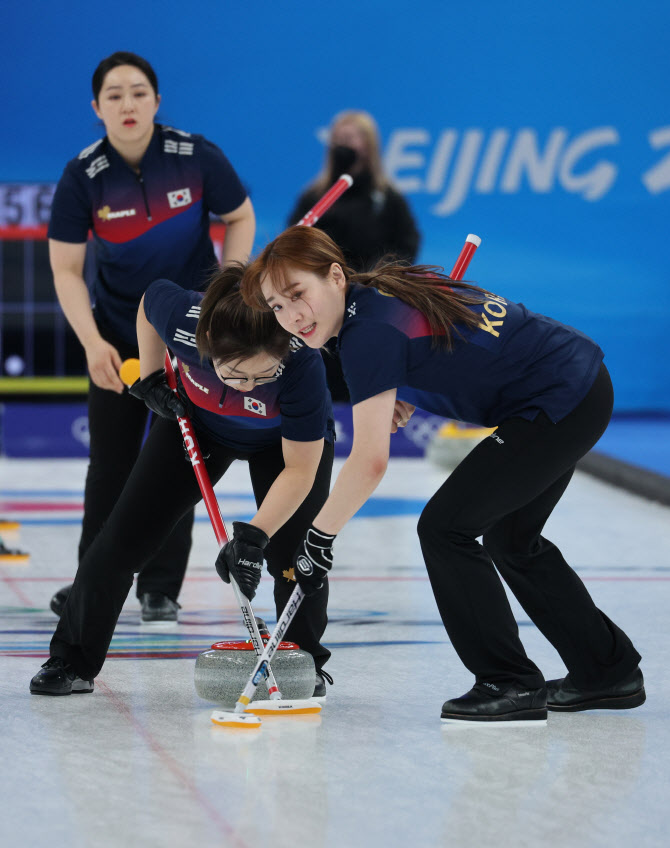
pixel 488 306
pixel 497 297
pixel 489 325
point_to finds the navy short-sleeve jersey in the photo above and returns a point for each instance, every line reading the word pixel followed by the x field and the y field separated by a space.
pixel 512 363
pixel 147 225
pixel 297 406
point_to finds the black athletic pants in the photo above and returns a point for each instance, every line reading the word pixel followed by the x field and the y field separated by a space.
pixel 504 491
pixel 116 426
pixel 161 489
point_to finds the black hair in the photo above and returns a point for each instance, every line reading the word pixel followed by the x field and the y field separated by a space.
pixel 122 57
pixel 228 329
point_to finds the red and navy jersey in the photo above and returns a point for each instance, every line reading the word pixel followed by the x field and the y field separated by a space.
pixel 512 363
pixel 147 225
pixel 297 406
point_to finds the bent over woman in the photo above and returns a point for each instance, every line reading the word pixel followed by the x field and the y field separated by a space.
pixel 253 396
pixel 464 353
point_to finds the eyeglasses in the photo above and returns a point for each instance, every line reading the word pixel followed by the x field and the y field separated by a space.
pixel 257 381
pixel 234 382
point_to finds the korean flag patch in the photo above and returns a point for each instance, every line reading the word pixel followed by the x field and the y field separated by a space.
pixel 181 197
pixel 256 406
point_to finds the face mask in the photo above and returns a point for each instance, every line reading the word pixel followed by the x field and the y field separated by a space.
pixel 343 158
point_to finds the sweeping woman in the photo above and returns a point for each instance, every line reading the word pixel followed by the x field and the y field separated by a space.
pixel 252 395
pixel 411 333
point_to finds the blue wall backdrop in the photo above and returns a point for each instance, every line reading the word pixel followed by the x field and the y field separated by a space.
pixel 544 128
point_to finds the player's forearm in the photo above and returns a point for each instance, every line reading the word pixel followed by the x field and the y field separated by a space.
pixel 75 302
pixel 286 494
pixel 357 480
pixel 239 238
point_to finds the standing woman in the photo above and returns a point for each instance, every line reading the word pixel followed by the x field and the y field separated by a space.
pixel 254 394
pixel 146 192
pixel 459 351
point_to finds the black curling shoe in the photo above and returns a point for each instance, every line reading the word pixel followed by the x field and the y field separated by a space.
pixel 320 684
pixel 58 601
pixel 485 702
pixel 58 678
pixel 157 608
pixel 563 696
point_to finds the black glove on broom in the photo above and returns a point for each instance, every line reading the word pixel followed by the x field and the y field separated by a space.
pixel 158 396
pixel 243 557
pixel 313 560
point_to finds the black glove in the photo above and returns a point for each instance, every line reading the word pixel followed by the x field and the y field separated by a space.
pixel 313 560
pixel 243 557
pixel 158 396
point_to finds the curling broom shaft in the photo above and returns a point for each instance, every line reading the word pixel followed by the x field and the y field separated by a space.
pixel 273 643
pixel 472 242
pixel 195 456
pixel 334 192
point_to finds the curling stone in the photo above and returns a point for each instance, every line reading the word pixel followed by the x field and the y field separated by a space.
pixel 454 441
pixel 222 672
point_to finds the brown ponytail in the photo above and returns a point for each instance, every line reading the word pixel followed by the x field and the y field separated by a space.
pixel 228 330
pixel 427 288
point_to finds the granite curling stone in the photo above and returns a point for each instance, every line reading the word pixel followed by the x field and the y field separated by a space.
pixel 222 672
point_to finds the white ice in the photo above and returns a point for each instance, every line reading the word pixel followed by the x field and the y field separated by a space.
pixel 138 762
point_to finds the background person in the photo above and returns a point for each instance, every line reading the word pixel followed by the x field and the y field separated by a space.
pixel 146 192
pixel 372 219
pixel 464 353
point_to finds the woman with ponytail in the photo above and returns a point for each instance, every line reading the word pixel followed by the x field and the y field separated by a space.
pixel 252 395
pixel 453 349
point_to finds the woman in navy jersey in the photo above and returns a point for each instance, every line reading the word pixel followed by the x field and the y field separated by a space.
pixel 145 192
pixel 254 394
pixel 462 352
